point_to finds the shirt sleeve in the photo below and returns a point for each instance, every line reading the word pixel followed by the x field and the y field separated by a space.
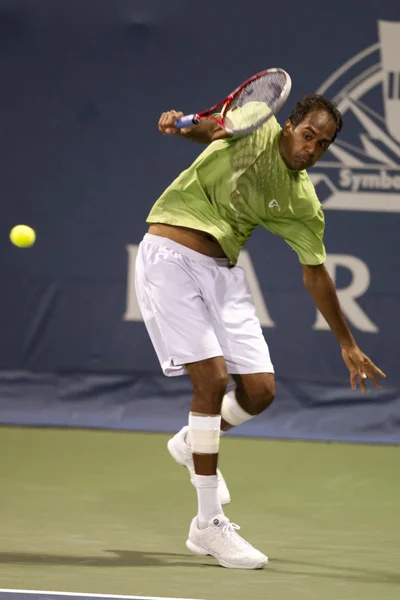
pixel 305 237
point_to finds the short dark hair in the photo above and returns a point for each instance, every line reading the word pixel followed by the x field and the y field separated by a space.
pixel 313 102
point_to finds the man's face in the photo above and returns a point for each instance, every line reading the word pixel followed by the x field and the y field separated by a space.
pixel 300 147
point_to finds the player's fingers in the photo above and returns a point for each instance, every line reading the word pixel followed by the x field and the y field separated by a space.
pixel 362 376
pixel 171 129
pixel 161 122
pixel 372 377
pixel 377 370
pixel 165 122
pixel 173 116
pixel 170 116
pixel 167 116
pixel 177 115
pixel 363 366
pixel 372 370
pixel 353 383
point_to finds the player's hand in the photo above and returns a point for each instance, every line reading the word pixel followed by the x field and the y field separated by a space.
pixel 361 368
pixel 166 124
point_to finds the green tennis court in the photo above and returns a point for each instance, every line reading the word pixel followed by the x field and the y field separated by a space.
pixel 108 512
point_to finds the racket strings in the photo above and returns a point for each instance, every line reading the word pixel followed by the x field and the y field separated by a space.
pixel 256 101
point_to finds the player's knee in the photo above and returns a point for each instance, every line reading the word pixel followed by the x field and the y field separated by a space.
pixel 210 379
pixel 208 394
pixel 260 395
pixel 262 399
pixel 212 387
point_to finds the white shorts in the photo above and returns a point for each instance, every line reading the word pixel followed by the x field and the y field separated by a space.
pixel 197 307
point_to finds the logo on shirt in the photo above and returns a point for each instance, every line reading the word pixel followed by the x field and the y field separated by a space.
pixel 274 204
pixel 361 170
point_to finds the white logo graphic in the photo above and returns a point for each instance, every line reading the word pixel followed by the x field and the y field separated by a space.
pixel 362 169
pixel 275 204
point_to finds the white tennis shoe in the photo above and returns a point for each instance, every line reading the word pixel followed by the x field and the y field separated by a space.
pixel 221 540
pixel 180 451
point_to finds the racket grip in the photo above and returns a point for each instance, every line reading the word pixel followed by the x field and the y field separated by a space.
pixel 186 121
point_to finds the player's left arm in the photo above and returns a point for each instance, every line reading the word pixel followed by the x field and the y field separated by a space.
pixel 322 290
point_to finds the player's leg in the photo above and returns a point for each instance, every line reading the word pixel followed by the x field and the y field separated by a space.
pixel 171 285
pixel 180 446
pixel 211 531
pixel 245 351
pixel 232 311
pixel 177 321
pixel 253 394
pixel 209 378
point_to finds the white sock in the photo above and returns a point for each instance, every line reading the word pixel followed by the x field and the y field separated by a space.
pixel 208 499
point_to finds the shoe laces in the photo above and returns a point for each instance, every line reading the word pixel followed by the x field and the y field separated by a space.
pixel 229 532
pixel 230 528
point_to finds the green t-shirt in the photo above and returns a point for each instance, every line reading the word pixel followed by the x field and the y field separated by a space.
pixel 239 183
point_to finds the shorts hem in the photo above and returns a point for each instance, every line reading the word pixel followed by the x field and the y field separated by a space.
pixel 249 370
pixel 236 369
pixel 180 361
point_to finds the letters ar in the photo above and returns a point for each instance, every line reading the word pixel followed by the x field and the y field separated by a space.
pixel 348 295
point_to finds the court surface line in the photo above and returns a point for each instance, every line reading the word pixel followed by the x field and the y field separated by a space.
pixel 83 594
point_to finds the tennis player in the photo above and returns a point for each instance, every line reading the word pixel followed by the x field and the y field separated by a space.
pixel 197 305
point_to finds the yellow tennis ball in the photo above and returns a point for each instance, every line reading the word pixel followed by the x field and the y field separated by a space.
pixel 22 236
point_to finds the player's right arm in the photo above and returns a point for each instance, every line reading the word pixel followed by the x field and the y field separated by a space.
pixel 305 237
pixel 204 132
pixel 322 290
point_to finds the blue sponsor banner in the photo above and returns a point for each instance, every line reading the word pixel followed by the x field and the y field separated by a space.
pixel 82 163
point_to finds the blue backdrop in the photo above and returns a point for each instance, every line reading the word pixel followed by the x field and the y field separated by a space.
pixel 83 84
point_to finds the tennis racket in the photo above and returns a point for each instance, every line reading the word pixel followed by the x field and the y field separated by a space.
pixel 248 106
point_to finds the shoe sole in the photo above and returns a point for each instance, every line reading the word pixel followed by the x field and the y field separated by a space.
pixel 175 455
pixel 201 552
